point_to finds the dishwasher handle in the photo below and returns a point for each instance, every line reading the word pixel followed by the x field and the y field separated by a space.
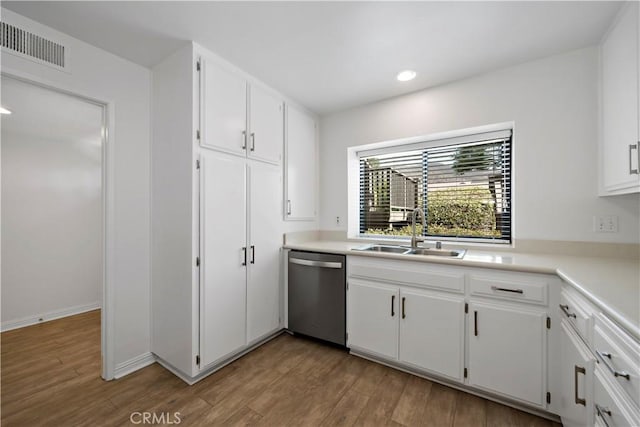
pixel 310 263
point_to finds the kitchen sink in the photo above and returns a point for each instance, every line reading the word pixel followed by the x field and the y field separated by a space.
pixel 437 252
pixel 385 249
pixel 402 250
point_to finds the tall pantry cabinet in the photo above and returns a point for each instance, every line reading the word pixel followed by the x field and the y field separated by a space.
pixel 217 211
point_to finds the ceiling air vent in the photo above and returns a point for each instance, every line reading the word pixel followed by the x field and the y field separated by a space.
pixel 30 45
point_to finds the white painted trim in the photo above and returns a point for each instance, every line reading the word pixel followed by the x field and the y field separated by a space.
pixel 134 364
pixel 48 316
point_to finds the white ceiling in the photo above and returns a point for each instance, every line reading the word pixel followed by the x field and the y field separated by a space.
pixel 334 55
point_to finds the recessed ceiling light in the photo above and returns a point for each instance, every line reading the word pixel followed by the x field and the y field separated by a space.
pixel 4 111
pixel 406 75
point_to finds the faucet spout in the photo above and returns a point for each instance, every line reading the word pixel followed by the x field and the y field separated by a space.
pixel 414 238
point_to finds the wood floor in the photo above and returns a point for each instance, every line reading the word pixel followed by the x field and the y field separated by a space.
pixel 51 376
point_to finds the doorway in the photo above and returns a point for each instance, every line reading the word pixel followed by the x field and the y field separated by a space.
pixel 52 193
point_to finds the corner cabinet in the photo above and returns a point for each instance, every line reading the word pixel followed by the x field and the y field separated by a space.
pixel 216 213
pixel 301 165
pixel 620 108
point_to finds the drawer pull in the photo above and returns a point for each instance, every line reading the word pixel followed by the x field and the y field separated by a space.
pixel 601 411
pixel 578 370
pixel 515 291
pixel 565 310
pixel 604 356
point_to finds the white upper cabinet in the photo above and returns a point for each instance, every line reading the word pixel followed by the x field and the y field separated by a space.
pixel 301 166
pixel 238 116
pixel 620 52
pixel 266 134
pixel 224 108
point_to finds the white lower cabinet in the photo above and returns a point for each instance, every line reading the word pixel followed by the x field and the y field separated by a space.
pixel 412 326
pixel 372 317
pixel 432 332
pixel 240 292
pixel 223 245
pixel 507 351
pixel 611 408
pixel 265 237
pixel 576 393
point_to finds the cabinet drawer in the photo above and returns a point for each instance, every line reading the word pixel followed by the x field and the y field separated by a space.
pixel 577 314
pixel 618 355
pixel 610 408
pixel 412 273
pixel 514 287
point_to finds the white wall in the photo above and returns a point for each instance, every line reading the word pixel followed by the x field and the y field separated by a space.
pixel 554 104
pixel 126 87
pixel 52 228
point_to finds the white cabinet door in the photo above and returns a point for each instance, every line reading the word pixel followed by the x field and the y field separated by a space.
pixel 301 165
pixel 223 246
pixel 265 237
pixel 620 112
pixel 576 402
pixel 224 108
pixel 372 317
pixel 266 137
pixel 432 332
pixel 507 348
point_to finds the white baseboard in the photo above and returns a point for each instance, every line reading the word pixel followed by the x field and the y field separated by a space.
pixel 132 365
pixel 45 317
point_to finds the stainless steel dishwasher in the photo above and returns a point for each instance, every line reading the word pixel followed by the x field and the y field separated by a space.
pixel 317 295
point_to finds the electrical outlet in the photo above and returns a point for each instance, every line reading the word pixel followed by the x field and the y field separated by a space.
pixel 337 220
pixel 605 224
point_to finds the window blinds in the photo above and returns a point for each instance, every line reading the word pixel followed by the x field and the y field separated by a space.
pixel 463 185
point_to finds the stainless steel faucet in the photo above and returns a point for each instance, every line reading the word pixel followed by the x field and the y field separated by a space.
pixel 414 239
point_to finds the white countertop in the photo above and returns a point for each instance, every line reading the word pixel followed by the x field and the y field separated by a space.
pixel 612 284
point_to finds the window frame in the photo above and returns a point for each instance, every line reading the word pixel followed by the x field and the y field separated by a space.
pixel 426 142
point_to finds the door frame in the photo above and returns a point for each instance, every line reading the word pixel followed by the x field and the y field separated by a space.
pixel 108 213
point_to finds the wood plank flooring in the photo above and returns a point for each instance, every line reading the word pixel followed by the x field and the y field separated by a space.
pixel 50 376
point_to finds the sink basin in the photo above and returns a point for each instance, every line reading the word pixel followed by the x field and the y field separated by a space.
pixel 437 252
pixel 385 249
pixel 447 253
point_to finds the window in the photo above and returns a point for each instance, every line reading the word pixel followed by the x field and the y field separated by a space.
pixel 463 185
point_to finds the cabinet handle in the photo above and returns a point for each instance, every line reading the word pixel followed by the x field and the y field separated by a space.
pixel 604 356
pixel 565 310
pixel 601 411
pixel 244 255
pixel 631 170
pixel 403 313
pixel 516 291
pixel 253 254
pixel 253 141
pixel 244 139
pixel 475 323
pixel 393 303
pixel 578 370
pixel 288 207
